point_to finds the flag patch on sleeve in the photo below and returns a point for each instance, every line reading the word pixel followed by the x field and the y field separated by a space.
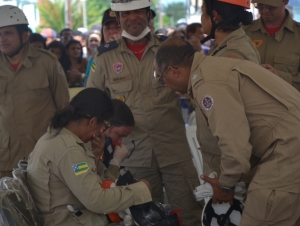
pixel 80 168
pixel 93 67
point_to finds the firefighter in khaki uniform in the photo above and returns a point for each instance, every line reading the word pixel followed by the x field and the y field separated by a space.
pixel 276 36
pixel 251 111
pixel 62 174
pixel 231 42
pixel 124 70
pixel 32 87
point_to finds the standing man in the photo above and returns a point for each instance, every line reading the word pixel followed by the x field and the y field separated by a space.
pixel 124 69
pixel 276 36
pixel 251 112
pixel 32 87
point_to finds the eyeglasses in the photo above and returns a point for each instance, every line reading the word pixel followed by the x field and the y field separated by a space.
pixel 261 6
pixel 107 125
pixel 160 78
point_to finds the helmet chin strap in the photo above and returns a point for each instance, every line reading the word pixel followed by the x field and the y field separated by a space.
pixel 16 52
pixel 18 49
pixel 215 26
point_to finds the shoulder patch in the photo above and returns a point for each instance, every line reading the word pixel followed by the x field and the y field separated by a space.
pixel 162 38
pixel 207 102
pixel 106 47
pixel 80 168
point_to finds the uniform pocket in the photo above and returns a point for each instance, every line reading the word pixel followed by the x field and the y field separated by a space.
pixel 3 84
pixel 287 62
pixel 38 89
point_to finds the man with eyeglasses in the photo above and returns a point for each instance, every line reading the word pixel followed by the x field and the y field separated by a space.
pixel 276 36
pixel 252 113
pixel 124 70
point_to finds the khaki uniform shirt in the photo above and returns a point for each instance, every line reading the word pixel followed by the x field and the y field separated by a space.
pixel 28 99
pixel 62 172
pixel 251 111
pixel 236 45
pixel 156 108
pixel 282 50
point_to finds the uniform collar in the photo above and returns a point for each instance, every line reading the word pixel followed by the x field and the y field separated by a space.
pixel 29 52
pixel 195 70
pixel 67 132
pixel 259 25
pixel 232 36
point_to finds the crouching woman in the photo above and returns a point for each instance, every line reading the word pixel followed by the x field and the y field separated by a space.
pixel 62 174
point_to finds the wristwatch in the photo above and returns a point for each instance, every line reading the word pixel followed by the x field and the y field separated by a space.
pixel 226 189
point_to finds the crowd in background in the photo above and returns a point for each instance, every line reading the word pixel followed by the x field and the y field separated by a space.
pixel 74 48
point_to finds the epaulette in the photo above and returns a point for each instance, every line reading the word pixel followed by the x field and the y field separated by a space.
pixel 69 141
pixel 47 52
pixel 162 37
pixel 106 47
pixel 196 77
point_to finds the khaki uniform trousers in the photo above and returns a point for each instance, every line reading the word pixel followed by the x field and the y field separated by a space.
pixel 5 174
pixel 269 207
pixel 179 181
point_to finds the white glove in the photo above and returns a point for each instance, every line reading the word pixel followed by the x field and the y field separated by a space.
pixel 127 218
pixel 120 154
pixel 205 190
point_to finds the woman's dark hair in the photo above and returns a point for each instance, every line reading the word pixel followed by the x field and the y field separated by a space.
pixel 88 103
pixel 232 15
pixel 67 64
pixel 36 37
pixel 57 44
pixel 122 114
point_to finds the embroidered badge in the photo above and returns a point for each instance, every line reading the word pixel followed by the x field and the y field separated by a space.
pixel 80 168
pixel 118 67
pixel 121 98
pixel 93 67
pixel 207 102
pixel 257 43
pixel 112 14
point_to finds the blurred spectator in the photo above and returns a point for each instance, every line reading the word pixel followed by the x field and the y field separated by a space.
pixel 92 42
pixel 58 49
pixel 75 64
pixel 151 22
pixel 161 31
pixel 111 29
pixel 180 33
pixel 49 34
pixel 194 34
pixel 79 36
pixel 29 31
pixel 170 29
pixel 65 36
pixel 37 41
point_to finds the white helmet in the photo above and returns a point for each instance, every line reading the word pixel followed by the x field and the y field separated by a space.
pixel 11 15
pixel 222 214
pixel 127 5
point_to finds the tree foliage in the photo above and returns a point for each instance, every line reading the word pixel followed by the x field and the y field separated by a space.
pixel 175 11
pixel 52 13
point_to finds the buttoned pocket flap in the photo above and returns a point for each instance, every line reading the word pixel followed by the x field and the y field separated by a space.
pixel 122 86
pixel 287 59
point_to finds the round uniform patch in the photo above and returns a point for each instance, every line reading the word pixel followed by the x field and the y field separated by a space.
pixel 207 102
pixel 121 98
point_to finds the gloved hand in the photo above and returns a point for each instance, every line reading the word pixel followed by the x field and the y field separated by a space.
pixel 127 218
pixel 120 154
pixel 205 190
